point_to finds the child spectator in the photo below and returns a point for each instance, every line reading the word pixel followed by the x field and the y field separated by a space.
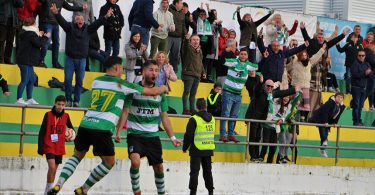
pixel 4 86
pixel 329 113
pixel 135 52
pixel 30 42
pixel 223 40
pixel 214 100
pixel 199 140
pixel 51 138
pixel 113 27
pixel 166 72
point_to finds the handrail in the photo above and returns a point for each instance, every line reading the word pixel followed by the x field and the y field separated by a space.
pixel 247 143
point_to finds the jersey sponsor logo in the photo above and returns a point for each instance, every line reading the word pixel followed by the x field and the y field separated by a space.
pixel 145 111
pixel 91 120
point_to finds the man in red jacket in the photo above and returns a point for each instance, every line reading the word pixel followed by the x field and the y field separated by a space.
pixel 51 140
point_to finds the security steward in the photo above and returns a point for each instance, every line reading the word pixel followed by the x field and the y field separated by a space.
pixel 199 140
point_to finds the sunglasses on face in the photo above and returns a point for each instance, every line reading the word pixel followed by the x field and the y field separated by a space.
pixel 269 86
pixel 361 55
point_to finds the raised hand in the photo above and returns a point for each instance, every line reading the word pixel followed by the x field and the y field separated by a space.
pixel 302 25
pixel 109 13
pixel 346 31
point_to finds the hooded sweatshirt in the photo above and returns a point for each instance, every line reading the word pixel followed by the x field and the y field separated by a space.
pixel 189 136
pixel 165 18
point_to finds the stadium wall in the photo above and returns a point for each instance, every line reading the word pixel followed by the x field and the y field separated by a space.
pixel 27 176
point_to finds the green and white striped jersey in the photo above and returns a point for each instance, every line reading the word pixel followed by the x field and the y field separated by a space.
pixel 107 102
pixel 144 113
pixel 237 74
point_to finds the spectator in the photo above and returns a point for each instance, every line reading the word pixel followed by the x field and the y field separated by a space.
pixel 369 40
pixel 199 140
pixel 229 52
pixel 135 52
pixel 258 109
pixel 251 82
pixel 76 50
pixel 276 30
pixel 141 19
pixel 30 42
pixel 329 80
pixel 159 40
pixel 192 71
pixel 248 29
pixel 300 69
pixel 329 113
pixel 272 63
pixel 8 23
pixel 214 100
pixel 28 10
pixel 4 86
pixel 113 27
pixel 370 89
pixel 223 40
pixel 166 72
pixel 51 138
pixel 175 38
pixel 232 34
pixel 238 71
pixel 48 24
pixel 360 70
pixel 357 33
pixel 95 51
pixel 351 49
pixel 319 30
pixel 189 22
pixel 87 14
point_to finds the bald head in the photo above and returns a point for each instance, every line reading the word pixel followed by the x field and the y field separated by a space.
pixel 268 85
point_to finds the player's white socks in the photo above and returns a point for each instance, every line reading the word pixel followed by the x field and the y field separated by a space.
pixel 48 187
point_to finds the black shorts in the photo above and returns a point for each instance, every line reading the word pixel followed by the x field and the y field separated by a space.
pixel 146 146
pixel 58 158
pixel 100 140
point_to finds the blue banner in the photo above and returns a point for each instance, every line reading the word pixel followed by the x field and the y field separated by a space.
pixel 338 59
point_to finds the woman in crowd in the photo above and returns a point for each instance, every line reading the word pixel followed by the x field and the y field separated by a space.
pixel 135 55
pixel 166 72
pixel 369 40
pixel 276 30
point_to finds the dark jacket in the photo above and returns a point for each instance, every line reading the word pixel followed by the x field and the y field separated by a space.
pixel 327 112
pixel 360 38
pixel 141 14
pixel 351 51
pixel 94 42
pixel 370 58
pixel 3 84
pixel 250 84
pixel 189 136
pixel 222 70
pixel 43 128
pixel 314 45
pixel 29 45
pixel 191 24
pixel 258 107
pixel 272 67
pixel 8 12
pixel 192 64
pixel 358 69
pixel 249 29
pixel 179 22
pixel 46 16
pixel 77 39
pixel 113 27
pixel 214 109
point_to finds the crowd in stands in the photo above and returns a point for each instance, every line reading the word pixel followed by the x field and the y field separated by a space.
pixel 287 79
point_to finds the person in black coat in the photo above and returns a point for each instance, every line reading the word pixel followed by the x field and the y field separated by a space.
pixel 252 81
pixel 29 45
pixel 229 52
pixel 113 27
pixel 328 113
pixel 4 86
pixel 370 89
pixel 95 51
pixel 258 109
pixel 351 49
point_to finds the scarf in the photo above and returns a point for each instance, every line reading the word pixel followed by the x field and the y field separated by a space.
pixel 31 28
pixel 203 27
pixel 270 102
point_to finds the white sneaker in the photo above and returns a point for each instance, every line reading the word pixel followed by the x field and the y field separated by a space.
pixel 21 102
pixel 31 101
pixel 323 153
pixel 325 143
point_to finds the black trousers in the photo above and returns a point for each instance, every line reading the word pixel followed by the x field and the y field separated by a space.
pixel 255 135
pixel 195 164
pixel 7 33
pixel 269 136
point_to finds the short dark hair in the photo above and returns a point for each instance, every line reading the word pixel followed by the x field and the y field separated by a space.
pixel 175 2
pixel 339 94
pixel 112 61
pixel 217 84
pixel 243 49
pixel 60 98
pixel 149 63
pixel 201 104
pixel 29 21
pixel 357 26
pixel 185 4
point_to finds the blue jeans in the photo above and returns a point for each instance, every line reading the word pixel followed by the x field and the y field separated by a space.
pixel 55 37
pixel 323 132
pixel 145 33
pixel 100 55
pixel 231 104
pixel 359 95
pixel 27 80
pixel 348 79
pixel 72 66
pixel 115 44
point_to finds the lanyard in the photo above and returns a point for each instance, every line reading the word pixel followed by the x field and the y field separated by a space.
pixel 57 119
